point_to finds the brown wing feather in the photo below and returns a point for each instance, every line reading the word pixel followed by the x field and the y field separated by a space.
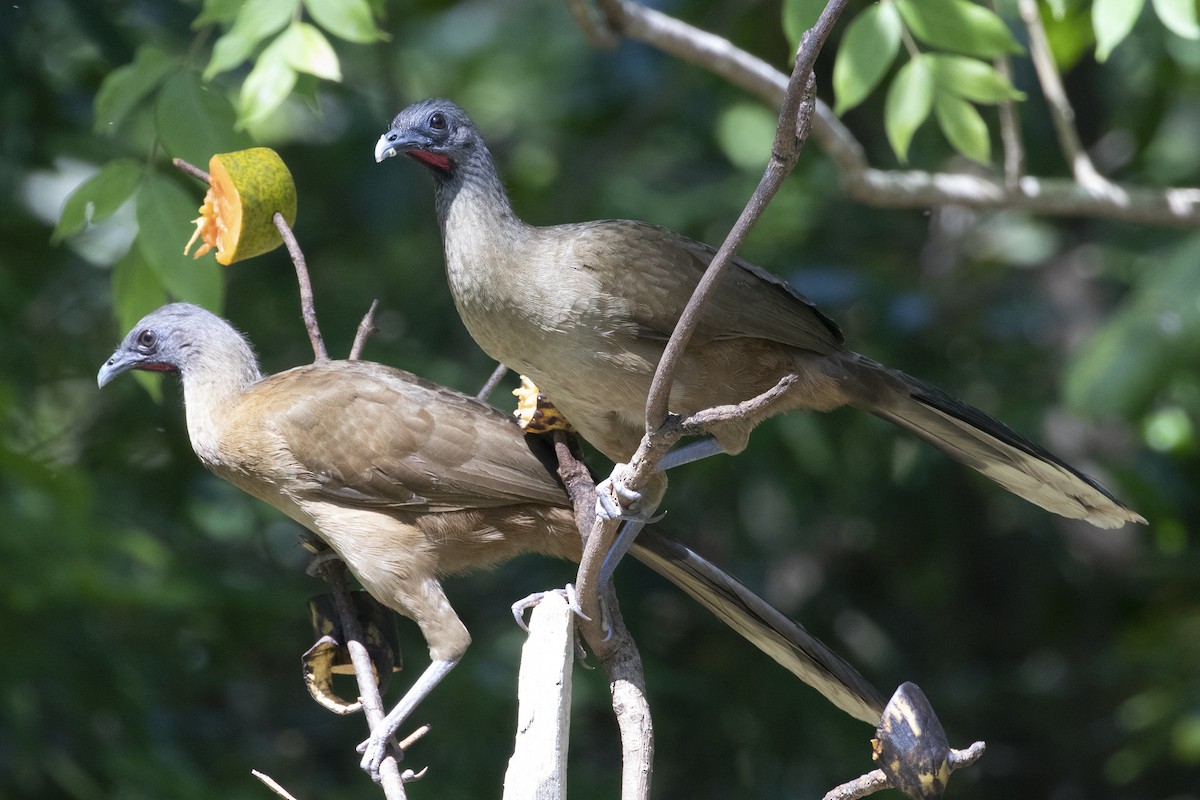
pixel 750 302
pixel 372 436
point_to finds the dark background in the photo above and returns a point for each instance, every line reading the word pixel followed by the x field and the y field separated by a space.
pixel 153 617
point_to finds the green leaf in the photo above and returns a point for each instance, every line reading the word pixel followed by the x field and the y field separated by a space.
pixel 1179 16
pixel 909 101
pixel 195 120
pixel 1113 20
pixel 746 133
pixel 866 54
pixel 307 50
pixel 1058 8
pixel 215 11
pixel 126 86
pixel 799 16
pixel 963 126
pixel 958 25
pixel 98 197
pixel 1124 365
pixel 267 85
pixel 346 19
pixel 257 20
pixel 165 213
pixel 971 79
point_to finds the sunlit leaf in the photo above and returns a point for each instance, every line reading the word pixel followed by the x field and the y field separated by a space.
pixel 865 54
pixel 257 20
pixel 799 16
pixel 963 126
pixel 1179 16
pixel 267 85
pixel 346 19
pixel 165 213
pixel 909 101
pixel 971 79
pixel 307 50
pixel 1058 8
pixel 1113 20
pixel 98 197
pixel 126 86
pixel 958 25
pixel 195 120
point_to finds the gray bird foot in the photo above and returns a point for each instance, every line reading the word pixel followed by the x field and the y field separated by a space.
pixel 567 593
pixel 615 500
pixel 374 750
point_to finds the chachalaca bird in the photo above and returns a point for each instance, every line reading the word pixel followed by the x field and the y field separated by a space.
pixel 409 482
pixel 584 310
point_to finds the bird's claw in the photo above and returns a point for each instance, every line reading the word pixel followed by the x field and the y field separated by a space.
pixel 568 593
pixel 375 749
pixel 615 500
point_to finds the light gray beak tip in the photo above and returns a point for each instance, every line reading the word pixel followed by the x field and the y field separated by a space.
pixel 384 149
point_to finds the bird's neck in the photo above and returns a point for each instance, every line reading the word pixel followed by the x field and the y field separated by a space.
pixel 473 193
pixel 211 387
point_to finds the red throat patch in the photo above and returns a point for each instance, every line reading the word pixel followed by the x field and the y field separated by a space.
pixel 435 160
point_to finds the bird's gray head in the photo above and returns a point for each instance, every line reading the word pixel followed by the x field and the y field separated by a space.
pixel 435 132
pixel 173 338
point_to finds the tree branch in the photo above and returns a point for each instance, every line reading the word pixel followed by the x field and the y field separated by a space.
pixel 876 781
pixel 365 329
pixel 333 570
pixel 307 307
pixel 903 189
pixel 613 646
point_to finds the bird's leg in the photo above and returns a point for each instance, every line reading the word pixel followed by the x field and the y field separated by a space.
pixel 692 451
pixel 375 748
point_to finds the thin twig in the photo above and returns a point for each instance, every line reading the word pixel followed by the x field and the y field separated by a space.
pixel 190 169
pixel 1061 112
pixel 272 784
pixel 307 307
pixel 333 570
pixel 365 329
pixel 491 383
pixel 876 781
pixel 903 189
pixel 1010 127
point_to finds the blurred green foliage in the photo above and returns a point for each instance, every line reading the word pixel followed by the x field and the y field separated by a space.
pixel 155 616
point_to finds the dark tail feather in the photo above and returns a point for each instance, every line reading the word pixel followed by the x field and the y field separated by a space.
pixel 968 435
pixel 762 625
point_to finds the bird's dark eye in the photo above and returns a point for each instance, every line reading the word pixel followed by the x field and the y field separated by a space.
pixel 147 339
pixel 437 121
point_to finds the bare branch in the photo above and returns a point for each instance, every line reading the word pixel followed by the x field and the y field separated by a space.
pixel 909 189
pixel 272 784
pixel 365 329
pixel 1010 127
pixel 491 383
pixel 307 307
pixel 1061 112
pixel 190 169
pixel 334 573
pixel 790 135
pixel 612 645
pixel 875 780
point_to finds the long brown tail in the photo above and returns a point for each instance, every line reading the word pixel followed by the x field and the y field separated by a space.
pixel 968 435
pixel 761 624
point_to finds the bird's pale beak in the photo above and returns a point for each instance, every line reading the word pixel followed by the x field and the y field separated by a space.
pixel 390 144
pixel 118 362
